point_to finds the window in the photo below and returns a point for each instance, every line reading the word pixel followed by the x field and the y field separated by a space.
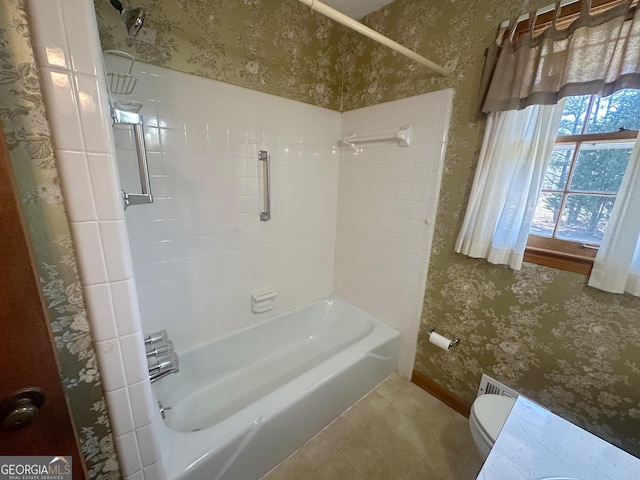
pixel 584 173
pixel 584 184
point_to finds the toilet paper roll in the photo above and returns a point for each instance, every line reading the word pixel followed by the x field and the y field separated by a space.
pixel 440 341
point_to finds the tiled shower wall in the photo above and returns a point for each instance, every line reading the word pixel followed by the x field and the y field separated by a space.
pixel 387 203
pixel 200 249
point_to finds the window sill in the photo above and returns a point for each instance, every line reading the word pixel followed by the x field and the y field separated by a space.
pixel 559 254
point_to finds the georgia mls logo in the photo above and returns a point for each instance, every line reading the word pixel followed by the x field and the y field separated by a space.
pixel 35 468
pixel 60 465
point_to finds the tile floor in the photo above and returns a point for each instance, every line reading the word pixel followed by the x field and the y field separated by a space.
pixel 398 431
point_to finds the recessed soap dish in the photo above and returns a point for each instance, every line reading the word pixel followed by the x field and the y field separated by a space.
pixel 263 300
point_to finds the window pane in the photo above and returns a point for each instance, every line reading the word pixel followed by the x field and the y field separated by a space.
pixel 546 214
pixel 600 167
pixel 573 115
pixel 585 217
pixel 557 172
pixel 619 110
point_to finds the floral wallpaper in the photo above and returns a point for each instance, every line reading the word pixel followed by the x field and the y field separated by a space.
pixel 25 125
pixel 542 331
pixel 282 48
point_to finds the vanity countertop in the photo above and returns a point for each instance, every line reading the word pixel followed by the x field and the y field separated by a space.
pixel 535 444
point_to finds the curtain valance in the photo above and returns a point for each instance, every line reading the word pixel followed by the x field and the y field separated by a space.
pixel 597 54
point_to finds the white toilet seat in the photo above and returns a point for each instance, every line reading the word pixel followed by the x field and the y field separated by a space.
pixel 491 411
pixel 488 414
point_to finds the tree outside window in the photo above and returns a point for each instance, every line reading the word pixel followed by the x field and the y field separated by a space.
pixel 583 176
pixel 586 168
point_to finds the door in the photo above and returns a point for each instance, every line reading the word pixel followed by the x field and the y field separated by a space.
pixel 28 359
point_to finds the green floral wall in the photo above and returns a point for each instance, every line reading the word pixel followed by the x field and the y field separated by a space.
pixel 282 47
pixel 27 132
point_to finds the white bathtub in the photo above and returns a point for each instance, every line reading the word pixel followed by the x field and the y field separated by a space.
pixel 243 403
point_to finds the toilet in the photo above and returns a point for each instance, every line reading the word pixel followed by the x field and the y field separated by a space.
pixel 488 414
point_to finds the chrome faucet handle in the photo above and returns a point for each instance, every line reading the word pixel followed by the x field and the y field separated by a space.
pixel 158 349
pixel 163 409
pixel 163 362
pixel 156 337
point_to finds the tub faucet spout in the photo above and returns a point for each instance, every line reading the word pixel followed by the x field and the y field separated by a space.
pixel 161 366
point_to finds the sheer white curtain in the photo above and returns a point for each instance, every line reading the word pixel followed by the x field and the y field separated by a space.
pixel 617 265
pixel 516 149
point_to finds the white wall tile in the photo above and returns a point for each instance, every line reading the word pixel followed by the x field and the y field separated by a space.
pixel 152 138
pixel 106 186
pixel 139 475
pixel 64 119
pixel 418 210
pixel 111 366
pixel 89 249
pixel 420 191
pixel 142 402
pixel 422 172
pixel 118 260
pixel 128 455
pixel 120 411
pixel 125 303
pixel 171 140
pixel 155 472
pixel 76 184
pixel 170 115
pixel 134 358
pixel 49 39
pixel 83 21
pixel 100 307
pixel 94 114
pixel 148 445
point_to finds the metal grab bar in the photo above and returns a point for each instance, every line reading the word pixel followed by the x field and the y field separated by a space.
pixel 121 117
pixel 264 156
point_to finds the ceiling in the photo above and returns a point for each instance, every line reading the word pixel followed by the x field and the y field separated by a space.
pixel 357 8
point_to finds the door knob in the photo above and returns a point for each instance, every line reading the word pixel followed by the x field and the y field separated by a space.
pixel 20 408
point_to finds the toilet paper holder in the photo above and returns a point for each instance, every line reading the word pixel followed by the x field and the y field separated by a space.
pixel 452 343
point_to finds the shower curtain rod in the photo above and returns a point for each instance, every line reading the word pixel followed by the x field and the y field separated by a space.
pixel 372 34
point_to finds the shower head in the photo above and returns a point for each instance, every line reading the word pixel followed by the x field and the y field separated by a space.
pixel 132 19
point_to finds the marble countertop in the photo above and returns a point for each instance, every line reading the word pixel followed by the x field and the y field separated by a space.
pixel 535 444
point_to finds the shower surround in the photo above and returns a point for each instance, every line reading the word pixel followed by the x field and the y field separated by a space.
pixel 383 232
pixel 200 249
